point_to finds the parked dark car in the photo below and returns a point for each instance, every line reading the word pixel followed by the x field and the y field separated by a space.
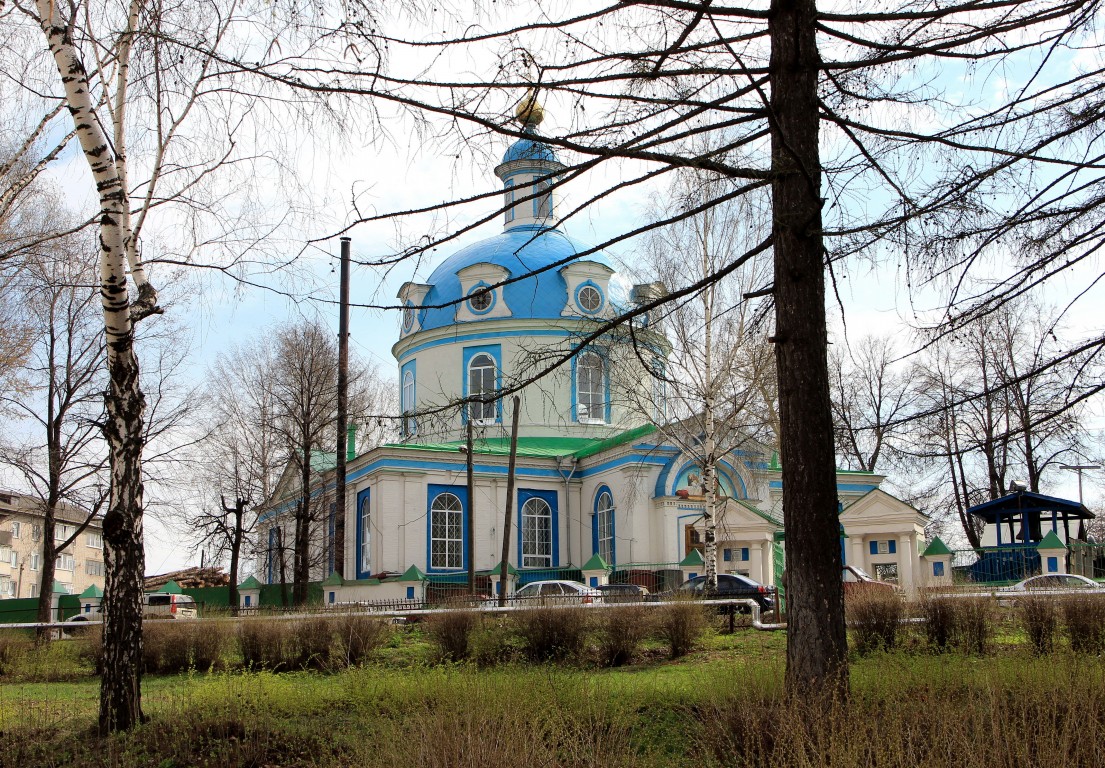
pixel 730 585
pixel 623 593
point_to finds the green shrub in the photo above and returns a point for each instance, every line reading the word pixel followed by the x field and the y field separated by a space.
pixel 620 631
pixel 494 642
pixel 169 647
pixel 311 642
pixel 264 644
pixel 974 624
pixel 552 633
pixel 939 614
pixel 359 637
pixel 1084 621
pixel 681 624
pixel 451 631
pixel 13 645
pixel 875 616
pixel 1040 620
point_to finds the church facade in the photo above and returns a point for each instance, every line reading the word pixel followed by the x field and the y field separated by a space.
pixel 597 486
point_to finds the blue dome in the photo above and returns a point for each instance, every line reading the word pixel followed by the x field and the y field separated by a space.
pixel 520 250
pixel 529 149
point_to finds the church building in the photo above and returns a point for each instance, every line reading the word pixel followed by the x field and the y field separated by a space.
pixel 599 492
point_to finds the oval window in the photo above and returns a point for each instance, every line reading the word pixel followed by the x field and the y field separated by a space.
pixel 480 301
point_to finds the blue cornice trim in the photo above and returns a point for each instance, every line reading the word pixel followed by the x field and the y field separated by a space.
pixel 485 335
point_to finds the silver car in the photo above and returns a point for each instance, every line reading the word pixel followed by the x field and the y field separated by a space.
pixel 556 592
pixel 1060 583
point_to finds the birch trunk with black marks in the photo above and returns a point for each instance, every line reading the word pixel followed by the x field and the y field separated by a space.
pixel 817 661
pixel 124 557
pixel 709 470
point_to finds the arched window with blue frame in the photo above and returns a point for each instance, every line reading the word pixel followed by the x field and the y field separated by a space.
pixel 409 424
pixel 446 523
pixel 364 535
pixel 602 526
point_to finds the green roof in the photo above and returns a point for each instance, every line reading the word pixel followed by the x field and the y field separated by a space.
pixel 250 583
pixel 534 447
pixel 1051 541
pixel 333 580
pixel 171 587
pixel 60 589
pixel 935 548
pixel 620 439
pixel 321 461
pixel 757 511
pixel 596 563
pixel 412 574
pixel 498 569
pixel 692 560
pixel 92 591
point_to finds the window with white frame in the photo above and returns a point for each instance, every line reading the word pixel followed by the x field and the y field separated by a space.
pixel 6 554
pixel 604 522
pixel 35 560
pixel 36 532
pixel 543 202
pixel 366 537
pixel 14 559
pixel 95 540
pixel 508 202
pixel 15 529
pixel 590 388
pixel 536 534
pixel 7 587
pixel 409 423
pixel 481 382
pixel 66 562
pixel 93 568
pixel 63 531
pixel 34 590
pixel 446 538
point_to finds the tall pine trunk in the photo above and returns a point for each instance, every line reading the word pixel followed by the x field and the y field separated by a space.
pixel 816 642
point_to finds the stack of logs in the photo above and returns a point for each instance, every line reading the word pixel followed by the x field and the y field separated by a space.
pixel 189 578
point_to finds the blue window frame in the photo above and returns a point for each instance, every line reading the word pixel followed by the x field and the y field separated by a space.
pixel 483 374
pixel 537 529
pixel 602 526
pixel 727 555
pixel 364 534
pixel 744 554
pixel 446 511
pixel 891 547
pixel 938 568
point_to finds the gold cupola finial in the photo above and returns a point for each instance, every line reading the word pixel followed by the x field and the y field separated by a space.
pixel 529 111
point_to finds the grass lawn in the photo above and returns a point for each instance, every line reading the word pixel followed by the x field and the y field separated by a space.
pixel 721 705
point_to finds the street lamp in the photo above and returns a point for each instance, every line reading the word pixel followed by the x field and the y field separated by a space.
pixel 1079 468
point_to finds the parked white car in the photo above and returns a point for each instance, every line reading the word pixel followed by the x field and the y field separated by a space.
pixel 157 605
pixel 554 592
pixel 1056 582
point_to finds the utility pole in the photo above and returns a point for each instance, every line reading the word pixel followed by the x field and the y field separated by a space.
pixel 343 411
pixel 504 564
pixel 1079 468
pixel 470 526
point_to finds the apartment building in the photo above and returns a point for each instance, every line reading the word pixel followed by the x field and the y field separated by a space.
pixel 79 566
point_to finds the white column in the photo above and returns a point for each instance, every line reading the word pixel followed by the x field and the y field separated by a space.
pixel 856 557
pixel 907 553
pixel 767 563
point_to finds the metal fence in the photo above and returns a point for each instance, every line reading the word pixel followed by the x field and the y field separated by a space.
pixel 1005 565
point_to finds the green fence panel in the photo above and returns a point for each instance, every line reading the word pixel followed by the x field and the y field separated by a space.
pixel 19 611
pixel 209 597
pixel 271 595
